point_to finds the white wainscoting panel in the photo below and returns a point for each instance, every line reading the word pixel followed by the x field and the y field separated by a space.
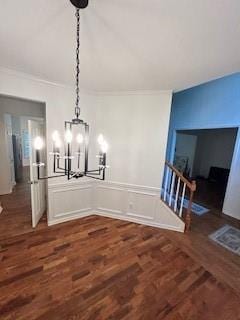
pixel 166 219
pixel 70 201
pixel 141 204
pixel 110 199
pixel 138 204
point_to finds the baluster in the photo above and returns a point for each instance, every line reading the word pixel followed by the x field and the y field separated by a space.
pixel 182 200
pixel 177 195
pixel 172 188
pixel 166 184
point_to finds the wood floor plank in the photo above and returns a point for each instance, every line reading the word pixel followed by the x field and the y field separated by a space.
pixel 98 268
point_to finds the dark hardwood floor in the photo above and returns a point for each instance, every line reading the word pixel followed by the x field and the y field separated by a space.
pixel 16 217
pixel 98 268
pixel 210 195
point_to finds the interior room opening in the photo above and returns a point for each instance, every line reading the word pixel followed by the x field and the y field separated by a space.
pixel 205 155
pixel 15 155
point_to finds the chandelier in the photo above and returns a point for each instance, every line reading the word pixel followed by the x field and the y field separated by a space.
pixel 73 163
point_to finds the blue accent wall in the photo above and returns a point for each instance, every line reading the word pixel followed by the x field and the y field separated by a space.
pixel 212 104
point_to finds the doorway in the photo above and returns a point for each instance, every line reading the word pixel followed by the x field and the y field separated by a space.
pixel 205 155
pixel 15 156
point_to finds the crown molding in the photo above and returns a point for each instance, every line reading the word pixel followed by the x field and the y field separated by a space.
pixel 132 92
pixel 28 76
pixel 31 77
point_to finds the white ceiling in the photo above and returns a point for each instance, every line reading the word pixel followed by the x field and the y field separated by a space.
pixel 125 44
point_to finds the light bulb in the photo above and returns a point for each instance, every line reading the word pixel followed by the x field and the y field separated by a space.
pixel 38 143
pixel 55 136
pixel 79 138
pixel 68 136
pixel 100 139
pixel 104 147
pixel 58 143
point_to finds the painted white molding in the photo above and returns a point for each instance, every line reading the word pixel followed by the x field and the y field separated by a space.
pixel 5 191
pixel 132 92
pixel 77 201
pixel 141 205
pixel 35 78
pixel 139 221
pixel 132 203
pixel 20 74
pixel 68 218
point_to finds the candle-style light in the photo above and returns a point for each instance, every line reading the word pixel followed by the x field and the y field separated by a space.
pixel 58 145
pixel 56 149
pixel 55 138
pixel 79 140
pixel 38 145
pixel 100 139
pixel 103 150
pixel 68 139
pixel 104 147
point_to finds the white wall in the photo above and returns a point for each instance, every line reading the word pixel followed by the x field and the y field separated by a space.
pixel 214 149
pixel 15 107
pixel 136 126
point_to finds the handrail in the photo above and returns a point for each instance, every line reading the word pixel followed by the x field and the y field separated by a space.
pixel 172 186
pixel 191 185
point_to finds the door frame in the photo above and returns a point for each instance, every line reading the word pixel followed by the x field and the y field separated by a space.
pixel 9 152
pixel 44 105
pixel 41 183
pixel 234 157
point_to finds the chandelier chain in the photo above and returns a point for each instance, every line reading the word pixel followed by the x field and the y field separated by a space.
pixel 77 108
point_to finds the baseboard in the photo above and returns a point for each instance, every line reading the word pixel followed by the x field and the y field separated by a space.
pixel 4 192
pixel 69 218
pixel 230 217
pixel 112 216
pixel 138 221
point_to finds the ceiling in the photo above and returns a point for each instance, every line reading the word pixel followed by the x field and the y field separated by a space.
pixel 125 44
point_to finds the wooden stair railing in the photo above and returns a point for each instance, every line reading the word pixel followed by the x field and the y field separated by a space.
pixel 175 188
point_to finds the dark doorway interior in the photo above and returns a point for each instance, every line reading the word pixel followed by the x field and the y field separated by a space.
pixel 206 156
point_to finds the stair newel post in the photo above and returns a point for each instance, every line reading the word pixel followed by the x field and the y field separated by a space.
pixel 189 209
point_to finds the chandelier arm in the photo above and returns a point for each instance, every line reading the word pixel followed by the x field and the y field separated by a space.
pixel 96 178
pixel 95 171
pixel 51 177
pixel 47 177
